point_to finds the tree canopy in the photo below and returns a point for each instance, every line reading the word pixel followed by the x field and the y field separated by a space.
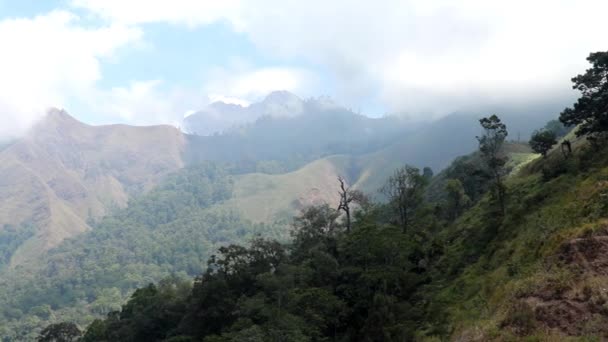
pixel 590 111
pixel 542 141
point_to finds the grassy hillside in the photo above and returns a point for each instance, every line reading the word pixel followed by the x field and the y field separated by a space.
pixel 269 198
pixel 539 272
pixel 63 174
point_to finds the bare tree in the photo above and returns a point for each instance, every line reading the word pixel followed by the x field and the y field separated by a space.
pixel 348 196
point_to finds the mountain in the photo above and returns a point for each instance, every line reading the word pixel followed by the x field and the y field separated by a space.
pixel 219 117
pixel 64 173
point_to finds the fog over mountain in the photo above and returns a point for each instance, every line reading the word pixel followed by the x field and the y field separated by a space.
pixel 220 116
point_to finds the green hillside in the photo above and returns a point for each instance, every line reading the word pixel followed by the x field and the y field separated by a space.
pixel 172 230
pixel 538 272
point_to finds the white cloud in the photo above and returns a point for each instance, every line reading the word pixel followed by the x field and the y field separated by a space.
pixel 414 55
pixel 419 55
pixel 148 102
pixel 47 59
pixel 246 85
pixel 227 99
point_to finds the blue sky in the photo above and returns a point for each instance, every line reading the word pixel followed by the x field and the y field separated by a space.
pixel 151 61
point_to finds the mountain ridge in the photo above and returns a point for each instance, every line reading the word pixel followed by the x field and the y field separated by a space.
pixel 63 173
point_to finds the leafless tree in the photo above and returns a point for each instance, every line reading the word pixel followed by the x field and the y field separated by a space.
pixel 348 196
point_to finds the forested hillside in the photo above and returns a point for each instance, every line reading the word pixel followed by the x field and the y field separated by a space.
pixel 171 230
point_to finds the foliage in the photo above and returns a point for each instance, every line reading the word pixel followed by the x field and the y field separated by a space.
pixel 313 289
pixel 590 111
pixel 11 238
pixel 457 200
pixel 405 190
pixel 60 332
pixel 542 141
pixel 472 173
pixel 490 147
pixel 558 128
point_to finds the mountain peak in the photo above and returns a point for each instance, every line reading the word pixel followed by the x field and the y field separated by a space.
pixel 56 120
pixel 59 116
pixel 282 97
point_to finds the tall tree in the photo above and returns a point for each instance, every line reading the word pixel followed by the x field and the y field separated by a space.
pixel 490 146
pixel 590 111
pixel 542 141
pixel 404 190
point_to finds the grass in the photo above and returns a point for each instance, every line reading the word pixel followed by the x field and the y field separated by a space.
pixel 514 256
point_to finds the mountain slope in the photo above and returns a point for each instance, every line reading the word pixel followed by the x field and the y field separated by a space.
pixel 64 173
pixel 539 272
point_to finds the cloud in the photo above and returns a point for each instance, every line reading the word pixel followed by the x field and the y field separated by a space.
pixel 248 85
pixel 226 99
pixel 48 59
pixel 147 102
pixel 415 55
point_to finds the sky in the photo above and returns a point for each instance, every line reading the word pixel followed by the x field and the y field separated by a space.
pixel 150 61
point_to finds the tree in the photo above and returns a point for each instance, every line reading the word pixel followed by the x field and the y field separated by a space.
pixel 404 190
pixel 490 146
pixel 347 196
pixel 60 332
pixel 590 111
pixel 542 141
pixel 427 172
pixel 457 200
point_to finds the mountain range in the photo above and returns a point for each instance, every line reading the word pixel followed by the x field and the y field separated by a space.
pixel 64 174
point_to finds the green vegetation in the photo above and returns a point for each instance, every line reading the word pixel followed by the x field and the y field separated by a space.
pixel 542 141
pixel 492 153
pixel 558 128
pixel 10 239
pixel 590 110
pixel 328 284
pixel 172 230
